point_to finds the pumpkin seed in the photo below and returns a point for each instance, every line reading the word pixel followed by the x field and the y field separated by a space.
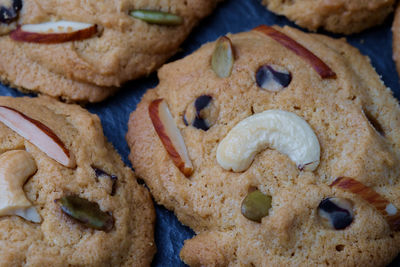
pixel 256 205
pixel 86 212
pixel 157 17
pixel 223 57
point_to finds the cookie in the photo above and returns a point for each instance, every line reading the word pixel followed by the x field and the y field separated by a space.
pixel 66 197
pixel 84 51
pixel 396 38
pixel 278 148
pixel 339 16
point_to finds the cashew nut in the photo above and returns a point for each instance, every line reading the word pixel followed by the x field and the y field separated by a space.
pixel 15 168
pixel 277 129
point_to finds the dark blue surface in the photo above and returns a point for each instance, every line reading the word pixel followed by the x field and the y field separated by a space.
pixel 231 16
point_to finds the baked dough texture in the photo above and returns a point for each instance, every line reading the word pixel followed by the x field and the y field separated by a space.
pixel 355 118
pixel 91 70
pixel 338 16
pixel 60 240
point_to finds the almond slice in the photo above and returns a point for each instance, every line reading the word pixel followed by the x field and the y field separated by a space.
pixel 387 209
pixel 38 134
pixel 319 66
pixel 54 32
pixel 170 135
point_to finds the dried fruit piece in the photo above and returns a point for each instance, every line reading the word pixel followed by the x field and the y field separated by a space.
pixel 86 212
pixel 170 135
pixel 202 113
pixel 319 66
pixel 16 167
pixel 54 32
pixel 38 134
pixel 100 173
pixel 278 129
pixel 374 122
pixel 336 213
pixel 256 205
pixel 9 10
pixel 273 78
pixel 387 209
pixel 223 57
pixel 157 17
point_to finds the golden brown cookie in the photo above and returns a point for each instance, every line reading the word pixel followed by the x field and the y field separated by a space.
pixel 338 16
pixel 84 50
pixel 66 198
pixel 278 148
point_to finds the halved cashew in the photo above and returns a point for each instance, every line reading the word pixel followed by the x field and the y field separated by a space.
pixel 277 129
pixel 15 168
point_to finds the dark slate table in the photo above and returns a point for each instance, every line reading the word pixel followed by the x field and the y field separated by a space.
pixel 231 16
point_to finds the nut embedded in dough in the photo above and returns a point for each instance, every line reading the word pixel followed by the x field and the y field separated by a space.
pixel 38 134
pixel 15 168
pixel 278 129
pixel 54 32
pixel 170 135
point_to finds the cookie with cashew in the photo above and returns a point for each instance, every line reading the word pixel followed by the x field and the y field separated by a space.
pixel 98 45
pixel 278 148
pixel 66 198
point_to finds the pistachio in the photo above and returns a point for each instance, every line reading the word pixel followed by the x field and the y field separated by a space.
pixel 336 213
pixel 202 113
pixel 256 205
pixel 157 17
pixel 223 57
pixel 86 212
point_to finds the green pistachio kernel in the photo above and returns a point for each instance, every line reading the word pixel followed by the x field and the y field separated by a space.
pixel 157 17
pixel 223 57
pixel 256 205
pixel 86 212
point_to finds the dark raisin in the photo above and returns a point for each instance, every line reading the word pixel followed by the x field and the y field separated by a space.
pixel 100 173
pixel 202 113
pixel 273 78
pixel 336 213
pixel 10 12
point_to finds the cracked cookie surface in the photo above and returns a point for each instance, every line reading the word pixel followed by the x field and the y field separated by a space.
pixel 353 115
pixel 123 48
pixel 338 16
pixel 105 219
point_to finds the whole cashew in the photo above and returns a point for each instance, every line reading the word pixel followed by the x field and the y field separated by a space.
pixel 15 168
pixel 278 129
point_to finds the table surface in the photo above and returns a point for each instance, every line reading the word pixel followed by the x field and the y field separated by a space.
pixel 230 16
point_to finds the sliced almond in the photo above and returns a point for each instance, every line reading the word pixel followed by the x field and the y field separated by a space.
pixel 170 135
pixel 38 134
pixel 319 66
pixel 54 32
